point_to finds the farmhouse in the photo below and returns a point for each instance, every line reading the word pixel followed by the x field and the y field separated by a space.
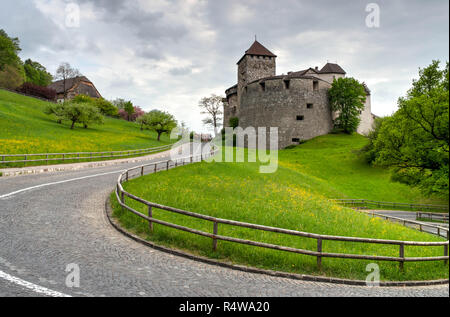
pixel 73 87
pixel 296 103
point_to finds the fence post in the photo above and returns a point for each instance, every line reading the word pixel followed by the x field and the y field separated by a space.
pixel 127 176
pixel 150 215
pixel 167 166
pixel 25 163
pixel 319 249
pixel 154 170
pixel 142 171
pixel 446 253
pixel 402 255
pixel 215 233
pixel 46 162
pixel 123 197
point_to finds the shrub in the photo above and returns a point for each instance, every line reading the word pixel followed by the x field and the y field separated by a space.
pixel 38 91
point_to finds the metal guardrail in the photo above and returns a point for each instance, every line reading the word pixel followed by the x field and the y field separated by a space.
pixel 121 194
pixel 363 203
pixel 76 156
pixel 440 231
pixel 432 216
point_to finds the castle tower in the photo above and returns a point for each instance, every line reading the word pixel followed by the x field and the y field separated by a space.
pixel 257 62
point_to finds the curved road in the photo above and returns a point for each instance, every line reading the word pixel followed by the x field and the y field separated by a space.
pixel 61 220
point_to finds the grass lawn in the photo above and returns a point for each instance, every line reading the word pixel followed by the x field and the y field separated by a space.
pixel 295 197
pixel 24 128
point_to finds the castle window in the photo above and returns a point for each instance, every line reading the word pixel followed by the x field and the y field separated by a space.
pixel 309 106
pixel 315 85
pixel 300 118
pixel 296 140
pixel 263 86
pixel 287 84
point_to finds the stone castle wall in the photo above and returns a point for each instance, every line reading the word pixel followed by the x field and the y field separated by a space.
pixel 251 68
pixel 299 112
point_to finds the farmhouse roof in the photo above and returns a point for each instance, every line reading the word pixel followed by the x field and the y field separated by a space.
pixel 70 82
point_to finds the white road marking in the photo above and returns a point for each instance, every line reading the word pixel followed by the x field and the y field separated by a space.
pixel 56 183
pixel 31 286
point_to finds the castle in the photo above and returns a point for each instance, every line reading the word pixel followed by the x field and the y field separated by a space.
pixel 296 103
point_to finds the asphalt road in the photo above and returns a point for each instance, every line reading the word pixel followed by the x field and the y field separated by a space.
pixel 44 229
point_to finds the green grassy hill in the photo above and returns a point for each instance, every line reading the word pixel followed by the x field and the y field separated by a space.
pixel 24 128
pixel 295 197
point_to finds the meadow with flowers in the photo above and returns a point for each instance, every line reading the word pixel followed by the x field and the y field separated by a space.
pixel 295 197
pixel 24 128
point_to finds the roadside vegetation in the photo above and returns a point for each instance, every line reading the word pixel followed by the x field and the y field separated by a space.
pixel 25 128
pixel 295 197
pixel 414 141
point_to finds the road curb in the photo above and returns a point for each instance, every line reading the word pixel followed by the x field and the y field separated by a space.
pixel 309 278
pixel 13 172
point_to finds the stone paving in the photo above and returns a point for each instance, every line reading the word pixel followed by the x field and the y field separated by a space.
pixel 45 229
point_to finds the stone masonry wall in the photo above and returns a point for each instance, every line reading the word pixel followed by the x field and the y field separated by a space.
pixel 251 68
pixel 287 109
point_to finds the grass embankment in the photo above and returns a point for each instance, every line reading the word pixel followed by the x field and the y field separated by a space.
pixel 25 129
pixel 295 197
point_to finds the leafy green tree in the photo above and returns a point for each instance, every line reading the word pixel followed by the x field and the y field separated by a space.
pixel 347 98
pixel 414 142
pixel 104 106
pixel 75 112
pixel 143 121
pixel 11 77
pixel 234 122
pixel 129 109
pixel 160 121
pixel 55 109
pixel 9 50
pixel 91 115
pixel 37 74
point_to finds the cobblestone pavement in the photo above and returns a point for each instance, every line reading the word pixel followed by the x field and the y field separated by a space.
pixel 45 229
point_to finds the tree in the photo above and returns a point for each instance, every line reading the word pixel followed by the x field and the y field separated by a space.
pixel 11 77
pixel 56 110
pixel 104 106
pixel 414 142
pixel 37 74
pixel 65 72
pixel 347 98
pixel 160 121
pixel 9 50
pixel 11 68
pixel 212 106
pixel 129 109
pixel 91 115
pixel 234 122
pixel 75 112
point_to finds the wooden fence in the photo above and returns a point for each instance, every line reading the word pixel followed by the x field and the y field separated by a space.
pixel 123 196
pixel 77 156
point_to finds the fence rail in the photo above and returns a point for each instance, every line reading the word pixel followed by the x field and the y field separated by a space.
pixel 123 195
pixel 76 156
pixel 364 203
pixel 432 216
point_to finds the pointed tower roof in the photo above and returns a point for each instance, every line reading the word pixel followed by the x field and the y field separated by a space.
pixel 258 49
pixel 331 68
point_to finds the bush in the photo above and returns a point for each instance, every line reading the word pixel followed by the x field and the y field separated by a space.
pixel 10 77
pixel 38 91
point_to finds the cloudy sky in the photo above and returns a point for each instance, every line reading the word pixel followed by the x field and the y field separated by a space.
pixel 164 54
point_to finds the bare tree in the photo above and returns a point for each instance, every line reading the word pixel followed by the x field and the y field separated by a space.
pixel 65 72
pixel 212 106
